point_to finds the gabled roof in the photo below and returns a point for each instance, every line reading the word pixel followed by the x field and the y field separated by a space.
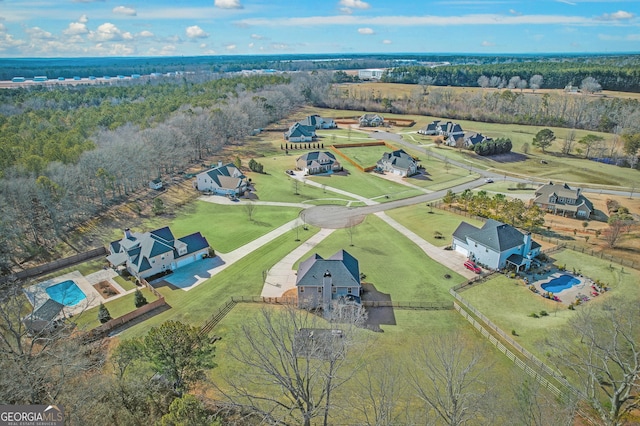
pixel 344 270
pixel 475 138
pixel 298 129
pixel 321 157
pixel 194 242
pixel 495 235
pixel 398 159
pixel 544 193
pixel 370 117
pixel 227 176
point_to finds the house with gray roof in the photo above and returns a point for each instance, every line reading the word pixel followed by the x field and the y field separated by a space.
pixel 149 253
pixel 222 180
pixel 471 139
pixel 315 162
pixel 563 200
pixel 398 162
pixel 318 122
pixel 430 129
pixel 496 245
pixel 371 120
pixel 299 132
pixel 449 130
pixel 320 281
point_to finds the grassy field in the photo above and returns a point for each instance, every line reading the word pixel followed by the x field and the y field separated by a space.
pixel 426 221
pixel 366 156
pixel 118 307
pixel 244 278
pixel 397 343
pixel 124 283
pixel 508 304
pixel 385 255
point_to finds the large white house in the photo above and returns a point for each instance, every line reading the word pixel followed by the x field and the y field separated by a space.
pixel 399 163
pixel 315 162
pixel 149 253
pixel 563 200
pixel 222 180
pixel 496 245
pixel 322 281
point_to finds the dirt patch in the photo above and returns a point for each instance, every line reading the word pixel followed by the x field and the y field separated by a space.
pixel 105 289
pixel 512 157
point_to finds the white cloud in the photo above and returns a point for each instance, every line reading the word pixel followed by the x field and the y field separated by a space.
pixel 570 3
pixel 486 43
pixel 76 28
pixel 38 33
pixel 83 19
pixel 355 4
pixel 227 4
pixel 196 32
pixel 620 15
pixel 251 45
pixel 514 12
pixel 346 10
pixel 122 10
pixel 280 46
pixel 366 31
pixel 145 34
pixel 386 41
pixel 256 37
pixel 628 37
pixel 230 47
pixel 109 32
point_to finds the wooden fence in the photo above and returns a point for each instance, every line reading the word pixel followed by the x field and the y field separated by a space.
pixel 104 329
pixel 522 351
pixel 151 288
pixel 337 148
pixel 427 306
pixel 55 265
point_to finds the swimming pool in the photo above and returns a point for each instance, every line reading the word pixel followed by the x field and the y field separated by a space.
pixel 66 293
pixel 560 283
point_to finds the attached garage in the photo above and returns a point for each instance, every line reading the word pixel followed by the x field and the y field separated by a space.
pixel 462 250
pixel 187 260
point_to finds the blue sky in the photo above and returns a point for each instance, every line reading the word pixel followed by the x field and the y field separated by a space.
pixel 76 28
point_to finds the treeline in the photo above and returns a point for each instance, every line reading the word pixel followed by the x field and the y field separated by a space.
pixel 493 147
pixel 556 75
pixel 39 205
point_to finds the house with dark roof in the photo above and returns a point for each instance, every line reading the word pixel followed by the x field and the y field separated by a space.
pixel 318 122
pixel 496 245
pixel 371 120
pixel 315 162
pixel 222 180
pixel 320 282
pixel 299 132
pixel 430 129
pixel 449 130
pixel 149 253
pixel 563 200
pixel 398 162
pixel 471 139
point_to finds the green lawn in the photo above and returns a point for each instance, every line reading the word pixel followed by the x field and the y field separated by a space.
pixel 228 227
pixel 244 278
pixel 366 156
pixel 367 185
pixel 419 220
pixel 391 262
pixel 508 305
pixel 118 307
pixel 124 283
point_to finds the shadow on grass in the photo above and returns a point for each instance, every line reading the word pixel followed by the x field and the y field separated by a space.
pixel 377 316
pixel 141 318
pixel 512 157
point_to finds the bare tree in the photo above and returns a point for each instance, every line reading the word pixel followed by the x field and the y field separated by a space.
pixel 483 81
pixel 599 348
pixel 450 378
pixel 250 209
pixel 569 140
pixel 292 364
pixel 533 403
pixel 514 82
pixel 535 82
pixel 425 82
pixel 352 222
pixel 590 85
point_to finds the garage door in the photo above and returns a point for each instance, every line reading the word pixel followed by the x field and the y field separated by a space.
pixel 462 250
pixel 185 261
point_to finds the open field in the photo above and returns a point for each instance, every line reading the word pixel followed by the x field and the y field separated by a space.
pixel 507 302
pixel 391 262
pixel 365 156
pixel 426 221
pixel 400 90
pixel 394 347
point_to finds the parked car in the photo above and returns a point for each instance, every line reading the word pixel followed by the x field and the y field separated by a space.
pixel 472 266
pixel 488 180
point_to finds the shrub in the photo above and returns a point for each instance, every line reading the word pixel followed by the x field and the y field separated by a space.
pixel 139 299
pixel 514 332
pixel 534 315
pixel 544 313
pixel 103 314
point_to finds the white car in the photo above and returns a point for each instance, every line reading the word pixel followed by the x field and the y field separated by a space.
pixel 488 180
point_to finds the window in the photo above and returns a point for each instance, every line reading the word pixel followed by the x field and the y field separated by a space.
pixel 334 289
pixel 348 290
pixel 319 289
pixel 301 289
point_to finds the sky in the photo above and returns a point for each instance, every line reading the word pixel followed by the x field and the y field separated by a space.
pixel 99 28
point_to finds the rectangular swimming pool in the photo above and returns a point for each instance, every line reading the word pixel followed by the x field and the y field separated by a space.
pixel 66 293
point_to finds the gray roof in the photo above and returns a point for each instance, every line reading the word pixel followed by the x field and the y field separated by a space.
pixel 344 270
pixel 495 235
pixel 545 192
pixel 227 176
pixel 299 129
pixel 398 159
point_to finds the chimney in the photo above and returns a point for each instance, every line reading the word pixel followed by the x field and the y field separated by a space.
pixel 327 283
pixel 127 233
pixel 219 163
pixel 527 244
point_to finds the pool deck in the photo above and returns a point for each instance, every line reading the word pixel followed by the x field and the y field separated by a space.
pixel 37 293
pixel 569 295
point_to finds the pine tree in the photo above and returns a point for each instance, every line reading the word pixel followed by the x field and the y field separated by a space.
pixel 103 314
pixel 139 299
